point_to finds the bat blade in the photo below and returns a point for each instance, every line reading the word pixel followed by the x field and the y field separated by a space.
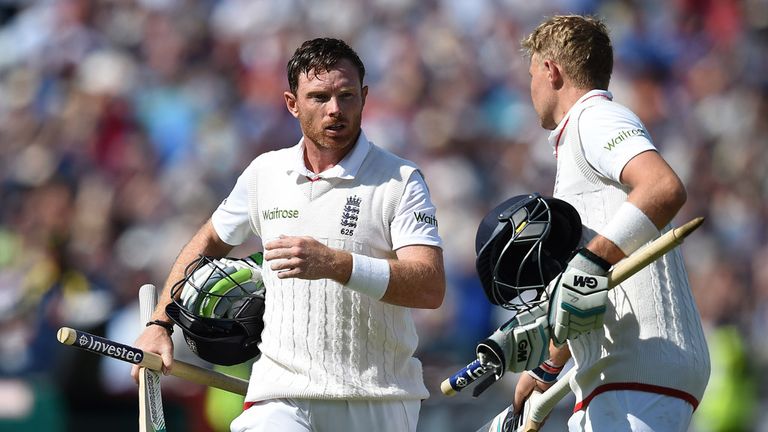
pixel 504 421
pixel 126 353
pixel 151 417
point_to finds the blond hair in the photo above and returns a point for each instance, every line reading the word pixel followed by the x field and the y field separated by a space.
pixel 579 44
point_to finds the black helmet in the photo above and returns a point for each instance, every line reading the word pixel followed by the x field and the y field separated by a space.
pixel 219 305
pixel 522 245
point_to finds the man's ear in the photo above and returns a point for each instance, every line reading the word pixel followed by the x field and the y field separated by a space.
pixel 554 74
pixel 364 93
pixel 290 103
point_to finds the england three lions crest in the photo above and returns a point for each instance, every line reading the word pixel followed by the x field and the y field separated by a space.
pixel 350 215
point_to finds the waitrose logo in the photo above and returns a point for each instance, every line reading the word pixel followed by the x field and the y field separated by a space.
pixel 622 136
pixel 278 213
pixel 425 218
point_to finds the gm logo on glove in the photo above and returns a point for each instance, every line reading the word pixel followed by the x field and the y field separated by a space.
pixel 584 281
pixel 522 350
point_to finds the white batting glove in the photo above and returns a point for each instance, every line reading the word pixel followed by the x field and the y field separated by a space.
pixel 579 296
pixel 524 340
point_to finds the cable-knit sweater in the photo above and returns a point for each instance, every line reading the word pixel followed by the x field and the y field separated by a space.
pixel 652 339
pixel 322 340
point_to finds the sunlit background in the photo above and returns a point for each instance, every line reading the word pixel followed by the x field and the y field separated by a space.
pixel 124 123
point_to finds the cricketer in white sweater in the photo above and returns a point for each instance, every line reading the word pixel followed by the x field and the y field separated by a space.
pixel 322 340
pixel 652 339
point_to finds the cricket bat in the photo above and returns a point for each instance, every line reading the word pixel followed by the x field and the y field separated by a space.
pixel 151 417
pixel 150 360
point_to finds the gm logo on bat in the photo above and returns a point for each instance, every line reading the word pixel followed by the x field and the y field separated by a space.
pixel 103 346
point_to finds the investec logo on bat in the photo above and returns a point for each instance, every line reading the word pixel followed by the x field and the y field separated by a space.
pixel 112 349
pixel 473 370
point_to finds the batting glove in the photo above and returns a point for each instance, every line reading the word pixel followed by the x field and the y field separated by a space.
pixel 523 342
pixel 579 296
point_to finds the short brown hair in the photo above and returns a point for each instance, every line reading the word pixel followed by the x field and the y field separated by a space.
pixel 320 55
pixel 580 44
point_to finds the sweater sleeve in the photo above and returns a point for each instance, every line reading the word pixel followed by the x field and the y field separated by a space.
pixel 231 219
pixel 611 136
pixel 415 219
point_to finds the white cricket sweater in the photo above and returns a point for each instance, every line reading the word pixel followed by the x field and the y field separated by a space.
pixel 652 339
pixel 322 340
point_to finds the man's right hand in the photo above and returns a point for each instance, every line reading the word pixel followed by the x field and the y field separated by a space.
pixel 155 339
pixel 526 385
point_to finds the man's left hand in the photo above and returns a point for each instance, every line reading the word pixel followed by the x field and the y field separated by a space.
pixel 580 294
pixel 304 258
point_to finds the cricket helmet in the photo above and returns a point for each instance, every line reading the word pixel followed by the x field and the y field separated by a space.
pixel 522 244
pixel 219 305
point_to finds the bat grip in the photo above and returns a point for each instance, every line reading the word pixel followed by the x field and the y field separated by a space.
pixel 541 404
pixel 147 302
pixel 464 377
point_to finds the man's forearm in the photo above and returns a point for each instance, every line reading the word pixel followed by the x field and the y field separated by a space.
pixel 204 242
pixel 559 356
pixel 605 249
pixel 416 284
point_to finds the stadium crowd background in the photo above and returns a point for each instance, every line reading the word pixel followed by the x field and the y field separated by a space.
pixel 123 123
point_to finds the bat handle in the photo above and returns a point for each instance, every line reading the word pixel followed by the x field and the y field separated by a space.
pixel 541 404
pixel 464 377
pixel 147 302
pixel 151 417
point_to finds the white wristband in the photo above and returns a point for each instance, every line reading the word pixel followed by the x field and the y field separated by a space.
pixel 629 228
pixel 370 276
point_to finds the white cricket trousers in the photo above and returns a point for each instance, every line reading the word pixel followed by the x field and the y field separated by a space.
pixel 317 415
pixel 635 411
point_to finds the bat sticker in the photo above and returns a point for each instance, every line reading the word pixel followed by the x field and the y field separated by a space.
pixel 107 347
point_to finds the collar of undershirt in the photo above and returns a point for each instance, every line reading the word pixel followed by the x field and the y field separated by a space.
pixel 556 134
pixel 347 168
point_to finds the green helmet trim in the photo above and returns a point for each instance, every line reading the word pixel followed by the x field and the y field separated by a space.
pixel 258 258
pixel 216 275
pixel 222 288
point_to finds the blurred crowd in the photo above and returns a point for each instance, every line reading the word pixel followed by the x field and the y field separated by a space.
pixel 123 123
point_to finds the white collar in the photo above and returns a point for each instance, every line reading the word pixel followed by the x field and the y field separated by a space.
pixel 554 136
pixel 347 168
